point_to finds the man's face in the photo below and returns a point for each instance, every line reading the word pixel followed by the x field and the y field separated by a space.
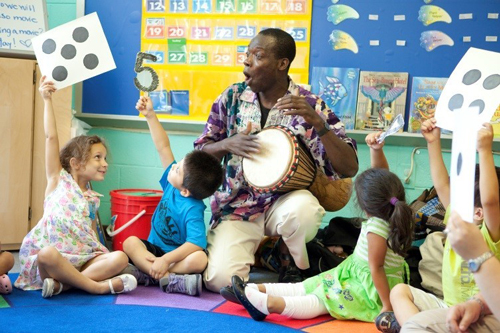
pixel 261 65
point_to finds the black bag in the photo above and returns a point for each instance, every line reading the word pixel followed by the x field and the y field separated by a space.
pixel 340 231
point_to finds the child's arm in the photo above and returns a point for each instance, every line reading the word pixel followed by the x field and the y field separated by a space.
pixel 439 174
pixel 52 161
pixel 377 248
pixel 488 182
pixel 160 137
pixel 377 155
pixel 161 265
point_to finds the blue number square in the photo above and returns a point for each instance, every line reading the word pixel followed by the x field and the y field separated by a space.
pixel 155 6
pixel 160 57
pixel 178 6
pixel 202 6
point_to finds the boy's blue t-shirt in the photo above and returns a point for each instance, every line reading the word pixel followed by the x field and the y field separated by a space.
pixel 177 219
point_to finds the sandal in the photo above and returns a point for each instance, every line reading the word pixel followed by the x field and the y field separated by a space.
pixel 129 283
pixel 5 284
pixel 48 288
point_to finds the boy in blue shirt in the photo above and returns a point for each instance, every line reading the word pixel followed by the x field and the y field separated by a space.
pixel 173 255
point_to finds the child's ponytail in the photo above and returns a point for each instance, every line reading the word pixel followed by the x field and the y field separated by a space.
pixel 401 225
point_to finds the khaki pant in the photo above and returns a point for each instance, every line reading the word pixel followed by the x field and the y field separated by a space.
pixel 295 216
pixel 435 321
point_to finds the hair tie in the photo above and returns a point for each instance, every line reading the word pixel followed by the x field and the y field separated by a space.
pixel 394 200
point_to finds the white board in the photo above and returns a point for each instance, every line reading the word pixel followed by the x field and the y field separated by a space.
pixel 20 21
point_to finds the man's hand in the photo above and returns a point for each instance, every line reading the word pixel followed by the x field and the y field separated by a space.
pixel 243 143
pixel 465 238
pixel 46 88
pixel 462 315
pixel 430 131
pixel 293 104
pixel 145 106
pixel 159 268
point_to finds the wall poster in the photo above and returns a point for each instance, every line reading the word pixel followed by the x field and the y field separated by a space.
pixel 200 47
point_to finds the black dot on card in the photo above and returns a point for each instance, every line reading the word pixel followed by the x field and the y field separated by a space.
pixel 456 102
pixel 90 61
pixel 459 164
pixel 68 51
pixel 479 103
pixel 471 77
pixel 491 82
pixel 80 34
pixel 49 46
pixel 60 73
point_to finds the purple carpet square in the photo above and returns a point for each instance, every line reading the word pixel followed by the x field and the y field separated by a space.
pixel 153 296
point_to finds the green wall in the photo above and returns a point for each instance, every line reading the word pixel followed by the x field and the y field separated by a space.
pixel 134 163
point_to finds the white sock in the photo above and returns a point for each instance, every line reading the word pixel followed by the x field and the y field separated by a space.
pixel 253 285
pixel 285 289
pixel 257 299
pixel 303 307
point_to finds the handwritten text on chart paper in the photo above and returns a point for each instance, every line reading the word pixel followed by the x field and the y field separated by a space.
pixel 19 22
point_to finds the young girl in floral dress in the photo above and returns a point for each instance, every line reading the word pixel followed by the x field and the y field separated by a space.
pixel 63 251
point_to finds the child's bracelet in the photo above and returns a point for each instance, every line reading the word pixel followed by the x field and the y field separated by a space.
pixel 478 300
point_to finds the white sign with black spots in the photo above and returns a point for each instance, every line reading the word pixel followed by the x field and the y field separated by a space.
pixel 73 52
pixel 474 82
pixel 463 162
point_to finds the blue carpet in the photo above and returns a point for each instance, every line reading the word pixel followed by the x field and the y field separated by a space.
pixel 77 311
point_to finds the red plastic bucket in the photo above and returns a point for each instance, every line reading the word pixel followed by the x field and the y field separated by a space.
pixel 132 204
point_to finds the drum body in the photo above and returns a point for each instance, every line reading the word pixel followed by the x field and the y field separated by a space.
pixel 284 164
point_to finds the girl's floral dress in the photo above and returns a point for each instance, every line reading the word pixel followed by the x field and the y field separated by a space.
pixel 66 225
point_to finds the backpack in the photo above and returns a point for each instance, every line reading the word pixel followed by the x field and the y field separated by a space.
pixel 428 214
pixel 341 231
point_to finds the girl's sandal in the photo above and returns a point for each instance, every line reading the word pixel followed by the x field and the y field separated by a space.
pixel 129 283
pixel 48 288
pixel 5 284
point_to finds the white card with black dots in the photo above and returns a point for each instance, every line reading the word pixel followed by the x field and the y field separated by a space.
pixel 73 52
pixel 474 82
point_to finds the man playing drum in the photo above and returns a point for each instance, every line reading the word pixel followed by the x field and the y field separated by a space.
pixel 241 217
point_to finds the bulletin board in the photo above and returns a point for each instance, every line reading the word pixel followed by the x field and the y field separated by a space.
pixel 388 34
pixel 114 95
pixel 201 45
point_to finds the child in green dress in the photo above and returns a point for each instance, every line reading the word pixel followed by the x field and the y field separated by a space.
pixel 359 287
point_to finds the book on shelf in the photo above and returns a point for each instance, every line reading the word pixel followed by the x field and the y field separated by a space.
pixel 338 87
pixel 381 97
pixel 425 92
pixel 495 122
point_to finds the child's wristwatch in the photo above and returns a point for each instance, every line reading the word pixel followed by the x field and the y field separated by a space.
pixel 324 129
pixel 475 264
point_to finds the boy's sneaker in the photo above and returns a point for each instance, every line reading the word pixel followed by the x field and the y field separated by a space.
pixel 189 284
pixel 386 322
pixel 141 277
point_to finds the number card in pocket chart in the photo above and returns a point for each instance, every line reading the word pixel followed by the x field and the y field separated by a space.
pixel 474 82
pixel 73 52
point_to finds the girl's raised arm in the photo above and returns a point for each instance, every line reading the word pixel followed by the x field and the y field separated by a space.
pixel 52 162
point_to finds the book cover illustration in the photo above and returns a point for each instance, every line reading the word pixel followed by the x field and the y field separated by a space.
pixel 495 122
pixel 425 92
pixel 381 97
pixel 338 87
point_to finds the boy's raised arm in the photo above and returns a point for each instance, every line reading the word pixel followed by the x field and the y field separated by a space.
pixel 439 174
pixel 488 181
pixel 160 138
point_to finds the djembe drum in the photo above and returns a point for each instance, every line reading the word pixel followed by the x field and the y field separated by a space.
pixel 284 164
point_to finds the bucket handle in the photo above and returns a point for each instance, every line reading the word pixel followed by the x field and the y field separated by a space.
pixel 110 227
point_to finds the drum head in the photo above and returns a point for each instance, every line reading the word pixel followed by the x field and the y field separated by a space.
pixel 273 161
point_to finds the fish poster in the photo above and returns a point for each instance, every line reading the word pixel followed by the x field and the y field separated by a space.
pixel 381 97
pixel 338 87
